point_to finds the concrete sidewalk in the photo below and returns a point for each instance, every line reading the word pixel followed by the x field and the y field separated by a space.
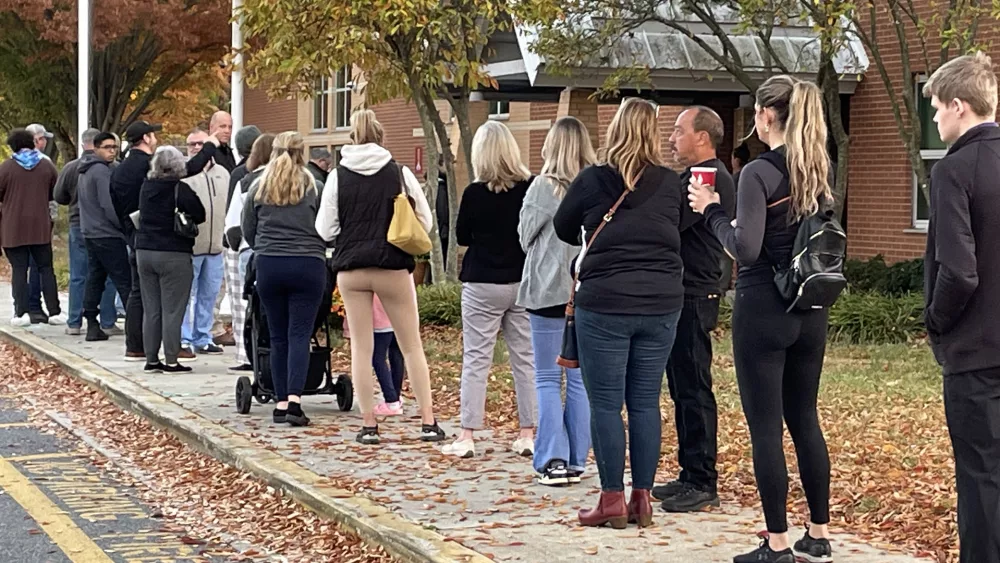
pixel 488 504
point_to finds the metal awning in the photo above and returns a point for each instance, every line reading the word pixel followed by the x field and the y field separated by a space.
pixel 675 61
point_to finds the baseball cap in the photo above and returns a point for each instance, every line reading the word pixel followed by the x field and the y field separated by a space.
pixel 37 129
pixel 135 132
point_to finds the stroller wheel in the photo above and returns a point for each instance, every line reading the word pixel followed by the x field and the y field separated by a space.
pixel 244 393
pixel 345 392
pixel 262 398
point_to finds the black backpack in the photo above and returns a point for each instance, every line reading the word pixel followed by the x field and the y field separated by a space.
pixel 814 278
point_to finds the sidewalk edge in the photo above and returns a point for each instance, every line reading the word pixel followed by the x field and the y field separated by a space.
pixel 371 521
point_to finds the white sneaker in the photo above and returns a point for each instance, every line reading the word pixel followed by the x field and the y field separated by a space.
pixel 23 320
pixel 524 447
pixel 460 448
pixel 59 319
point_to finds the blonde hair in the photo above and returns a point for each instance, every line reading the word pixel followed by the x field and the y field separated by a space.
pixel 633 140
pixel 566 151
pixel 798 109
pixel 365 128
pixel 285 179
pixel 970 79
pixel 496 158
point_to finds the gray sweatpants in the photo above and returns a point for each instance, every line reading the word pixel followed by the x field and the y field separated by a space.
pixel 487 307
pixel 165 281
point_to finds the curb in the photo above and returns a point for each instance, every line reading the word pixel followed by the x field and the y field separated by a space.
pixel 371 521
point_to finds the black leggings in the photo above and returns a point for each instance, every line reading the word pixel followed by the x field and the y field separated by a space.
pixel 779 357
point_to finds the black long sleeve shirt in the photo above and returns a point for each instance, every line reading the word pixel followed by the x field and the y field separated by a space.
pixel 634 265
pixel 701 251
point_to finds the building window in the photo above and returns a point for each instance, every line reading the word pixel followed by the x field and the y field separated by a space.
pixel 932 149
pixel 321 104
pixel 342 99
pixel 499 109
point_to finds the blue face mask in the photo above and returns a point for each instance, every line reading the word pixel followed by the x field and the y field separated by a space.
pixel 28 158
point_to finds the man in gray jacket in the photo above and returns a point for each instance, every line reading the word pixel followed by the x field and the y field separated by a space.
pixel 212 187
pixel 102 232
pixel 65 194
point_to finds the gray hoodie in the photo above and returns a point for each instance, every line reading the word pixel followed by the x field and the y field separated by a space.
pixel 547 279
pixel 97 212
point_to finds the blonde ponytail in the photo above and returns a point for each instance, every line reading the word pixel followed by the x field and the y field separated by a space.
pixel 285 179
pixel 798 109
pixel 365 128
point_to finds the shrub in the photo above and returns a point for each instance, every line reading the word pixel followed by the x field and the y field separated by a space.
pixel 875 275
pixel 873 318
pixel 440 304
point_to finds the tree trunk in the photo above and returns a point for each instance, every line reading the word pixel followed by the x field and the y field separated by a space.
pixel 461 107
pixel 420 98
pixel 830 86
pixel 449 165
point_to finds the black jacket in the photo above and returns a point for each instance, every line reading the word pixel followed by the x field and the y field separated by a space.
pixel 156 215
pixel 701 251
pixel 317 172
pixel 634 266
pixel 223 156
pixel 962 264
pixel 487 223
pixel 127 179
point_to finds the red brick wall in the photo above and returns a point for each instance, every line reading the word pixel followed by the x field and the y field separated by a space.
pixel 880 191
pixel 399 118
pixel 540 110
pixel 274 117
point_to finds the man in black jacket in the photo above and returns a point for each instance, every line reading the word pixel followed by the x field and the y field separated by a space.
pixel 221 128
pixel 962 291
pixel 697 135
pixel 320 162
pixel 126 180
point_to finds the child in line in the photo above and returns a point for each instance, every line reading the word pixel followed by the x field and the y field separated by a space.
pixel 390 375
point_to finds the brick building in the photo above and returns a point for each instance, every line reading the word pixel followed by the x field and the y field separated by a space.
pixel 885 213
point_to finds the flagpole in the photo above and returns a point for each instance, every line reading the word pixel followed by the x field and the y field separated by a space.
pixel 82 72
pixel 236 97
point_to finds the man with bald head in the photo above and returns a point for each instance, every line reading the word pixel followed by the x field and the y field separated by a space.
pixel 221 127
pixel 697 135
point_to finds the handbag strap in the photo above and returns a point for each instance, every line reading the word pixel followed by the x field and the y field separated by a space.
pixel 177 206
pixel 600 227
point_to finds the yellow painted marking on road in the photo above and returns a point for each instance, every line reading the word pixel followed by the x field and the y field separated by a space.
pixel 15 425
pixel 77 546
pixel 36 457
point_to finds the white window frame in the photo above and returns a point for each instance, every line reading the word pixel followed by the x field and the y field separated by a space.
pixel 927 155
pixel 322 99
pixel 344 90
pixel 500 115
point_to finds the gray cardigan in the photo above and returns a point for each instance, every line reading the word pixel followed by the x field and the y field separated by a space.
pixel 547 278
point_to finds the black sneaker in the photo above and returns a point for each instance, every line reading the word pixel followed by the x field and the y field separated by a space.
pixel 574 476
pixel 176 368
pixel 241 368
pixel 663 492
pixel 38 318
pixel 211 350
pixel 295 416
pixel 555 474
pixel 153 368
pixel 95 334
pixel 432 433
pixel 279 416
pixel 764 554
pixel 812 550
pixel 690 499
pixel 368 435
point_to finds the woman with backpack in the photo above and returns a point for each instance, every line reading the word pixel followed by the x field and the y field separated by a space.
pixel 778 350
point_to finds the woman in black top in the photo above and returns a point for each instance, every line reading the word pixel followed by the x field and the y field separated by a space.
pixel 628 302
pixel 779 354
pixel 163 257
pixel 491 276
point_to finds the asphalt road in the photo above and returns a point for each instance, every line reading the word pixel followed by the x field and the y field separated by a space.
pixel 56 507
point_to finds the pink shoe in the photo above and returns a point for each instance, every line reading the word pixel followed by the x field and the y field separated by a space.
pixel 389 409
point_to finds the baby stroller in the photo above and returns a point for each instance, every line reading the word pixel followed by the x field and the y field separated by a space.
pixel 319 380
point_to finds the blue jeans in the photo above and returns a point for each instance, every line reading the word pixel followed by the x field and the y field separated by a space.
pixel 563 432
pixel 389 375
pixel 78 268
pixel 199 316
pixel 244 262
pixel 623 359
pixel 291 290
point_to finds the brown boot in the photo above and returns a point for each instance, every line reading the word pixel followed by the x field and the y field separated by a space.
pixel 610 509
pixel 640 511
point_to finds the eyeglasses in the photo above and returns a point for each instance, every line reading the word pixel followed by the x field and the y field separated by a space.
pixel 196 144
pixel 655 106
pixel 108 147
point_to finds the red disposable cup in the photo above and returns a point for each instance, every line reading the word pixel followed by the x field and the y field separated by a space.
pixel 704 175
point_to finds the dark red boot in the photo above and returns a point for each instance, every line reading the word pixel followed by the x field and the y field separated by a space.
pixel 610 509
pixel 640 510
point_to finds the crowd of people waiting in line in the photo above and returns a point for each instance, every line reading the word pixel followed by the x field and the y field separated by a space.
pixel 645 293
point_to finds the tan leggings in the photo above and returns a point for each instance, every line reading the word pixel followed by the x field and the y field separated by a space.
pixel 395 289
